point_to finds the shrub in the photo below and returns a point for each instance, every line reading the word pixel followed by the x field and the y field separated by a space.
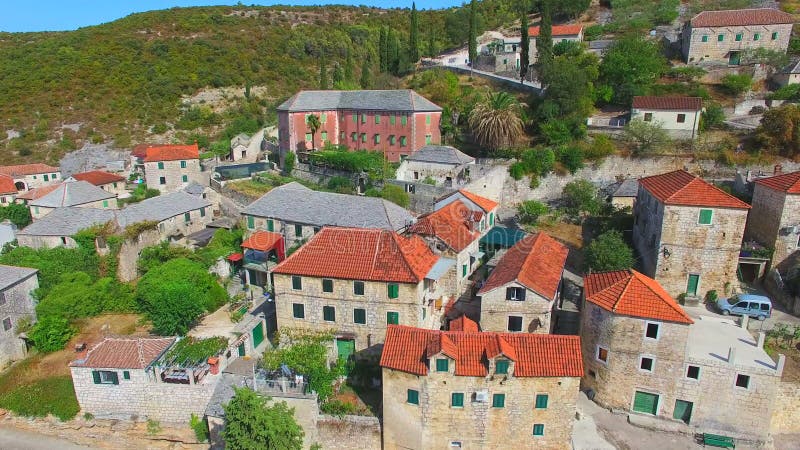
pixel 601 146
pixel 338 408
pixel 396 195
pixel 153 427
pixel 538 161
pixel 646 136
pixel 556 132
pixel 54 395
pixel 593 32
pixel 17 213
pixel 581 196
pixel 609 251
pixel 341 185
pixel 736 84
pixel 200 427
pixel 712 117
pixel 571 157
pixel 529 211
pixel 517 170
pixel 51 333
pixel 288 163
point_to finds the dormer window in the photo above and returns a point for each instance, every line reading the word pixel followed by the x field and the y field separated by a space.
pixel 501 367
pixel 516 294
pixel 442 365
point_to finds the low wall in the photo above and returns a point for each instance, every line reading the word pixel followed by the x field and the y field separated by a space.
pixel 127 269
pixel 424 195
pixel 349 432
pixel 786 415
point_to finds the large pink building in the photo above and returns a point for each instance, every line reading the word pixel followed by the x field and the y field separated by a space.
pixel 395 122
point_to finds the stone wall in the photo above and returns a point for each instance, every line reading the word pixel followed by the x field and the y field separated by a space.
pixel 18 303
pixel 772 211
pixel 127 269
pixel 714 50
pixel 434 423
pixel 423 196
pixel 786 414
pixel 34 241
pixel 349 432
pixel 535 310
pixel 173 175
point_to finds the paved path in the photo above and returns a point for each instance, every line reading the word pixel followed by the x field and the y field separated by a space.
pixel 16 439
pixel 527 85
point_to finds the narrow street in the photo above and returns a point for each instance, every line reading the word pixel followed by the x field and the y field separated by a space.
pixel 15 439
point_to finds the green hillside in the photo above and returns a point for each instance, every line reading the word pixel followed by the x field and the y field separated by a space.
pixel 124 79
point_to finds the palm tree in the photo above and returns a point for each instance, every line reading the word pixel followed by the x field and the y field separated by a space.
pixel 496 121
pixel 313 124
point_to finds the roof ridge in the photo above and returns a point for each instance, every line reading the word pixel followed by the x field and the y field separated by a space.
pixel 377 251
pixel 671 304
pixel 627 281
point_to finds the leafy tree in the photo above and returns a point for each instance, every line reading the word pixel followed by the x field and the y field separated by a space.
pixel 307 355
pixel 631 65
pixel 538 161
pixel 313 125
pixel 647 136
pixel 473 32
pixel 17 213
pixel 580 197
pixel 156 255
pixel 51 333
pixel 571 156
pixel 524 46
pixel 413 33
pixel 544 42
pixel 767 57
pixel 77 296
pixel 712 117
pixel 396 195
pixel 496 122
pixel 529 211
pixel 383 50
pixel 608 252
pixel 349 69
pixel 366 78
pixel 779 131
pixel 251 424
pixel 737 84
pixel 323 74
pixel 52 263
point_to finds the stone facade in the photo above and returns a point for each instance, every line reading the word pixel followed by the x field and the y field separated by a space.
pixel 786 416
pixel 171 176
pixel 32 241
pixel 35 180
pixel 447 175
pixel 673 246
pixel 17 303
pixel 37 212
pixel 703 44
pixel 772 214
pixel 293 233
pixel 535 310
pixel 435 424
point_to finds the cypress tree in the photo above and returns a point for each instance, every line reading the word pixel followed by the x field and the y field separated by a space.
pixel 337 76
pixel 431 43
pixel 473 32
pixel 524 46
pixel 393 51
pixel 366 79
pixel 349 71
pixel 413 36
pixel 383 60
pixel 544 42
pixel 323 74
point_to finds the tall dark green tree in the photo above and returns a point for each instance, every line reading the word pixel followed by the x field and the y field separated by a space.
pixel 431 43
pixel 544 42
pixel 393 52
pixel 366 77
pixel 337 76
pixel 349 71
pixel 473 31
pixel 413 36
pixel 323 74
pixel 524 46
pixel 383 51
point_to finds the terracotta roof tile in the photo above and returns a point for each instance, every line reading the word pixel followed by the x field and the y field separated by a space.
pixel 668 103
pixel 171 152
pixel 7 185
pixel 536 262
pixel 464 323
pixel 27 169
pixel 484 203
pixel 125 352
pixel 682 188
pixel 453 224
pixel 787 182
pixel 535 355
pixel 39 192
pixel 98 177
pixel 630 293
pixel 558 30
pixel 361 254
pixel 263 240
pixel 741 17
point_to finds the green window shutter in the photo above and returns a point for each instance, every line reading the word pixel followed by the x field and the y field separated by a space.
pixel 424 313
pixel 354 136
pixel 364 137
pixel 363 118
pixel 359 316
pixel 185 178
pixel 298 231
pixel 298 311
pixel 308 137
pixel 427 139
pixel 704 38
pixel 738 37
pixel 324 136
pixel 358 287
pixel 323 118
pixel 442 365
pixel 377 119
pixel 46 177
pixel 775 35
pixel 391 139
pixel 355 118
pixel 498 400
pixel 645 402
pixel 126 375
pixel 393 290
pixel 183 164
pixel 538 429
pixel 161 165
pixel 720 37
pixel 105 203
pixel 412 396
pixel 297 283
pixel 115 185
pixel 756 36
pixel 392 318
pixel 202 212
pixel 463 270
pixel 392 120
pixel 329 313
pixel 541 401
pixel 270 225
pixel 187 217
pixel 491 219
pixel 402 141
pixel 36 210
pixel 501 367
pixel 427 119
pixel 705 216
pixel 377 139
pixel 457 400
pixel 251 222
pixel 691 284
pixel 682 411
pixel 403 120
pixel 96 377
pixel 327 285
pixel 114 377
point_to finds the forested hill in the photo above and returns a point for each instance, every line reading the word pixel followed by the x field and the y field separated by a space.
pixel 124 79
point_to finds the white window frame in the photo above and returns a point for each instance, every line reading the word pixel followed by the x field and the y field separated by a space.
pixel 102 376
pixel 699 369
pixel 658 330
pixel 652 365
pixel 712 217
pixel 597 354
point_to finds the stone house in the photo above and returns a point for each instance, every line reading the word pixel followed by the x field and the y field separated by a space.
pixel 206 193
pixel 678 116
pixel 396 123
pixel 724 37
pixel 624 196
pixel 29 176
pixel 170 168
pixel 16 303
pixel 521 292
pixel 8 190
pixel 120 378
pixel 24 198
pixel 560 33
pixel 643 354
pixel 500 56
pixel 107 181
pixel 688 233
pixel 298 212
pixel 790 74
pixel 58 227
pixel 486 207
pixel 355 282
pixel 439 165
pixel 80 194
pixel 246 148
pixel 774 220
pixel 456 389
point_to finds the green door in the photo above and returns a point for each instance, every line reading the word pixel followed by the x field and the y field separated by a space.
pixel 683 411
pixel 241 349
pixel 691 285
pixel 345 348
pixel 734 58
pixel 645 402
pixel 258 334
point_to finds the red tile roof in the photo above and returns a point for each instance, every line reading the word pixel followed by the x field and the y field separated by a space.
pixel 171 152
pixel 682 188
pixel 452 224
pixel 124 352
pixel 361 254
pixel 484 203
pixel 39 192
pixel 262 240
pixel 98 177
pixel 668 103
pixel 787 182
pixel 7 185
pixel 558 30
pixel 464 323
pixel 630 293
pixel 27 169
pixel 536 262
pixel 741 17
pixel 535 355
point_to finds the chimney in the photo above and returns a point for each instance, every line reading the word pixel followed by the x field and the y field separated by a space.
pixel 777 170
pixel 761 337
pixel 731 356
pixel 781 364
